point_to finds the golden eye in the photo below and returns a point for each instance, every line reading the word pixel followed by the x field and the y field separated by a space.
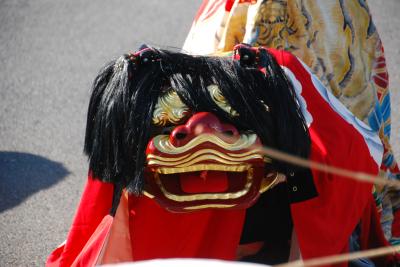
pixel 169 109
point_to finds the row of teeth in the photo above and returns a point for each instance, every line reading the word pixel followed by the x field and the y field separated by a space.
pixel 203 167
pixel 203 155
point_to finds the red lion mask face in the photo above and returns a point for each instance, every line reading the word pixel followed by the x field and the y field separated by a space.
pixel 205 164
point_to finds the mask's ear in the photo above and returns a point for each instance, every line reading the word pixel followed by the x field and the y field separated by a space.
pixel 247 55
pixel 119 118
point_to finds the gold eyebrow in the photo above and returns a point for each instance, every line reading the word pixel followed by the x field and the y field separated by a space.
pixel 169 109
pixel 220 100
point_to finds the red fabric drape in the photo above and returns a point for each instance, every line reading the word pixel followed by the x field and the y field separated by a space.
pixel 155 232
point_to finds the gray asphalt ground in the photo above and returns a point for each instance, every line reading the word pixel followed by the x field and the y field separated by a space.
pixel 49 53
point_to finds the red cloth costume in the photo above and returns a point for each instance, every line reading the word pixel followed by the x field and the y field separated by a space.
pixel 323 224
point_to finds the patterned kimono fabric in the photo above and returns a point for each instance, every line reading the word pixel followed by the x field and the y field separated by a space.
pixel 337 39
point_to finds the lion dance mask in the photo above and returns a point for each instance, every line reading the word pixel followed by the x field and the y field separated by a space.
pixel 188 130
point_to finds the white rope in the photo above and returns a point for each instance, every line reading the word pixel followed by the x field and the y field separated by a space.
pixel 329 260
pixel 359 176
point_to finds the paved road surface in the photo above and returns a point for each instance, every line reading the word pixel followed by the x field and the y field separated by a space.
pixel 49 53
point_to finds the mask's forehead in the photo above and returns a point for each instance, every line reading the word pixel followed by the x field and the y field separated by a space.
pixel 170 108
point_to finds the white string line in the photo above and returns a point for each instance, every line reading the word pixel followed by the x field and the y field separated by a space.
pixel 322 261
pixel 359 176
pixel 307 163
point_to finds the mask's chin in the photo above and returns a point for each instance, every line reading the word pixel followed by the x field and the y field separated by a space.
pixel 207 186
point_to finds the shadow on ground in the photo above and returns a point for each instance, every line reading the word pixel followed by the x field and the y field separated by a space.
pixel 23 174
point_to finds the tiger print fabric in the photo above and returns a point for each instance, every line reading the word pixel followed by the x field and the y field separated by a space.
pixel 337 39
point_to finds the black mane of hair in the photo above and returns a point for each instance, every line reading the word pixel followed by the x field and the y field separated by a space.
pixel 124 94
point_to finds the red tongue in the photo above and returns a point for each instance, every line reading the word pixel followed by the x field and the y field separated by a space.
pixel 204 182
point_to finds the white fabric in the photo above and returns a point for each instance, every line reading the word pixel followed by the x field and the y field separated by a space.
pixel 186 263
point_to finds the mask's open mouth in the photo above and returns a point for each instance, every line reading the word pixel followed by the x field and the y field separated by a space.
pixel 203 185
pixel 206 172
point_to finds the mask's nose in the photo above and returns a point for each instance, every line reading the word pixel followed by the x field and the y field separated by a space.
pixel 202 123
